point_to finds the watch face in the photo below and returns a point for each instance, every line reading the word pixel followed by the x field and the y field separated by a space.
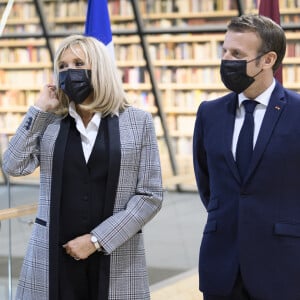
pixel 94 239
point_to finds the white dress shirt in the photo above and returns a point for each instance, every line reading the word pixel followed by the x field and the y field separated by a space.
pixel 88 134
pixel 258 114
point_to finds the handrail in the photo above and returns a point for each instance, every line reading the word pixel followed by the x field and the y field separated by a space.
pixel 18 211
pixel 29 209
pixel 179 179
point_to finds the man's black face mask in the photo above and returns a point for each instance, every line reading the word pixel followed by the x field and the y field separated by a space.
pixel 234 74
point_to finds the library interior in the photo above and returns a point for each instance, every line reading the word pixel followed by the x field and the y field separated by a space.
pixel 168 55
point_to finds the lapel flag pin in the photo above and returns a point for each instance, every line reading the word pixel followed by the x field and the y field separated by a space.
pixel 277 107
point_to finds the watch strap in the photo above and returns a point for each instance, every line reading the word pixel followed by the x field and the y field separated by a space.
pixel 96 243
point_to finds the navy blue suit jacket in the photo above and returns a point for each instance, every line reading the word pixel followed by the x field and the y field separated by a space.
pixel 253 225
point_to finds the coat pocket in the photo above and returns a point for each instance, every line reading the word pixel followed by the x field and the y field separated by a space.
pixel 210 226
pixel 212 204
pixel 287 229
pixel 40 222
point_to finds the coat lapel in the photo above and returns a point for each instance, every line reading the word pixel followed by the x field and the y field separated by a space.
pixel 56 187
pixel 274 110
pixel 114 148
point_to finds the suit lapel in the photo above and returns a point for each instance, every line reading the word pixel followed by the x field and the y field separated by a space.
pixel 228 133
pixel 274 110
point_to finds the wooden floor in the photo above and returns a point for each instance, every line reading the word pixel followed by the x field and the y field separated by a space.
pixel 182 287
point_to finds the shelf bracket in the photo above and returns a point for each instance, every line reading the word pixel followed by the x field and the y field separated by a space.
pixel 5 15
pixel 240 7
pixel 41 15
pixel 155 90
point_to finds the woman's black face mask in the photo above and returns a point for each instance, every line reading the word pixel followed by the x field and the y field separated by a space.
pixel 76 84
pixel 234 74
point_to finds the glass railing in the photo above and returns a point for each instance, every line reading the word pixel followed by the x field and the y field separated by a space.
pixel 171 239
pixel 16 217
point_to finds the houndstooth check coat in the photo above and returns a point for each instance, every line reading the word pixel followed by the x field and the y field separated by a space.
pixel 138 197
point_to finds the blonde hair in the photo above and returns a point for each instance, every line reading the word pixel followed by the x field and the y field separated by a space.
pixel 108 94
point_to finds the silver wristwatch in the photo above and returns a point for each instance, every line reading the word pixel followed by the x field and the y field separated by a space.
pixel 96 243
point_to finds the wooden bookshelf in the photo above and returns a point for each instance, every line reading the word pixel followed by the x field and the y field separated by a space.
pixel 186 66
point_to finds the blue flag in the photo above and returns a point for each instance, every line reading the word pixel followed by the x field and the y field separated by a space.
pixel 98 23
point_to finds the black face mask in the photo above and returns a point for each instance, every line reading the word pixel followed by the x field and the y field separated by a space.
pixel 234 74
pixel 76 84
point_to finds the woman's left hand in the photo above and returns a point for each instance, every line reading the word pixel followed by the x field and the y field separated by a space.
pixel 80 247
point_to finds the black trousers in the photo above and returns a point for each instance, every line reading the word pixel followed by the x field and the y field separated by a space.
pixel 238 292
pixel 79 279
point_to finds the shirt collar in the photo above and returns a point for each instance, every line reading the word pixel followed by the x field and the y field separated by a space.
pixel 73 113
pixel 263 98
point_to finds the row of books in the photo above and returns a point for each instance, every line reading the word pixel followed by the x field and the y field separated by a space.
pixel 125 52
pixel 184 50
pixel 205 75
pixel 187 101
pixel 128 52
pixel 24 55
pixel 184 162
pixel 293 48
pixel 174 102
pixel 289 3
pixel 283 4
pixel 22 28
pixel 77 26
pixel 141 99
pixel 123 7
pixel 9 122
pixel 287 19
pixel 291 73
pixel 62 9
pixel 52 9
pixel 206 5
pixel 134 75
pixel 25 78
pixel 179 127
pixel 17 98
pixel 171 50
pixel 22 11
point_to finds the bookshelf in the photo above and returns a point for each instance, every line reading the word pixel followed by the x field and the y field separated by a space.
pixel 184 39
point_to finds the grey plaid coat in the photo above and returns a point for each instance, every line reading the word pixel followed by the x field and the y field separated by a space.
pixel 138 198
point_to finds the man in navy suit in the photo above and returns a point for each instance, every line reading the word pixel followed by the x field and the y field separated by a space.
pixel 251 242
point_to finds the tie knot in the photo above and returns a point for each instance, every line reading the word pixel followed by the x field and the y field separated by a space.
pixel 249 105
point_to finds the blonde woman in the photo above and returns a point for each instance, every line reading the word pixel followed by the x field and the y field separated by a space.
pixel 100 181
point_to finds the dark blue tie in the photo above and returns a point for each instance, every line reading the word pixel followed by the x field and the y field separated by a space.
pixel 244 148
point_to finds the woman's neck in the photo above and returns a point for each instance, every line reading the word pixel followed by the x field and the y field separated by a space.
pixel 86 116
